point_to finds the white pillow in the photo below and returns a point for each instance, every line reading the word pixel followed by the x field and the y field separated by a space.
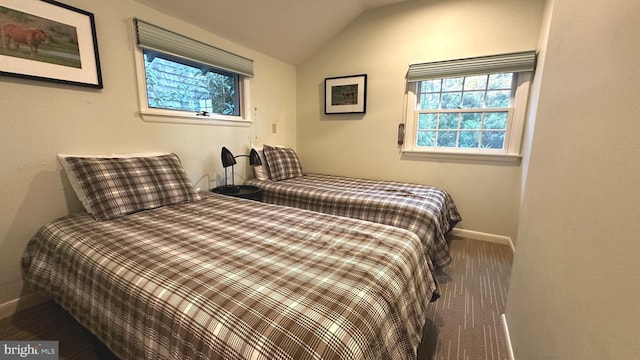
pixel 73 180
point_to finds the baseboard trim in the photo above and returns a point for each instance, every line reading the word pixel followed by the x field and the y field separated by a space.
pixel 507 337
pixel 22 303
pixel 477 235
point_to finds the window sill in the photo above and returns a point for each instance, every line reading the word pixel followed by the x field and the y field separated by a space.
pixel 506 159
pixel 184 118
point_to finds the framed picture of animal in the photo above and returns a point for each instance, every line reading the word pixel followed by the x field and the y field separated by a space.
pixel 345 94
pixel 48 40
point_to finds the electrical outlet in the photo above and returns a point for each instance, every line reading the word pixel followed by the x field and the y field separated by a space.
pixel 273 128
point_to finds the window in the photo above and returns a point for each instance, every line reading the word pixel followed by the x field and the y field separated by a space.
pixel 183 80
pixel 469 112
pixel 175 84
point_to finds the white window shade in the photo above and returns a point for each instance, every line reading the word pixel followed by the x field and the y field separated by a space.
pixel 155 38
pixel 512 62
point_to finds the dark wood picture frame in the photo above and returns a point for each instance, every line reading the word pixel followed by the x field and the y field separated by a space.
pixel 50 41
pixel 345 94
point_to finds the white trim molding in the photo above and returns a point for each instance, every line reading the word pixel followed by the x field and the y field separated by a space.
pixel 507 337
pixel 476 235
pixel 507 159
pixel 24 302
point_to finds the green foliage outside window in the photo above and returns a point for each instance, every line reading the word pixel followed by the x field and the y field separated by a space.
pixel 464 112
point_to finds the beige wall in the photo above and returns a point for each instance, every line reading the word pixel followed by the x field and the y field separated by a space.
pixel 40 119
pixel 574 287
pixel 382 43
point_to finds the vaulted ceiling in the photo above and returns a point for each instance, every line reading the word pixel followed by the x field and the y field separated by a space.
pixel 288 30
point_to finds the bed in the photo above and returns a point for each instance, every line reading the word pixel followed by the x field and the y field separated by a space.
pixel 156 269
pixel 428 211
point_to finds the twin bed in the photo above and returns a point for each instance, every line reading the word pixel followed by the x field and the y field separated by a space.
pixel 428 211
pixel 158 270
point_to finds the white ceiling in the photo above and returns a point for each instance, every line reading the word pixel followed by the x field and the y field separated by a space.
pixel 288 30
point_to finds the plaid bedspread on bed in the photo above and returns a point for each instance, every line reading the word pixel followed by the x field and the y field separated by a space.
pixel 228 278
pixel 425 210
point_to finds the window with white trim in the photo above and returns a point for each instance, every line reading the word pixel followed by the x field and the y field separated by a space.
pixel 184 80
pixel 469 106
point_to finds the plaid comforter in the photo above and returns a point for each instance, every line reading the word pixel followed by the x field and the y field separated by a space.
pixel 425 210
pixel 228 278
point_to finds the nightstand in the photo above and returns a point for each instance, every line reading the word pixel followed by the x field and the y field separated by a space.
pixel 241 191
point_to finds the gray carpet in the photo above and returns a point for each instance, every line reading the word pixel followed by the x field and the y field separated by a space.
pixel 463 324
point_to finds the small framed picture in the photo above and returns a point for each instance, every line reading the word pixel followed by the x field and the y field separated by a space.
pixel 48 40
pixel 345 94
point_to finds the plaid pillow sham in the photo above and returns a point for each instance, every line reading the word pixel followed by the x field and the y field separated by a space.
pixel 73 180
pixel 118 186
pixel 283 163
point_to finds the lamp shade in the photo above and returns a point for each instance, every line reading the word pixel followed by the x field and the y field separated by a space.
pixel 227 157
pixel 254 158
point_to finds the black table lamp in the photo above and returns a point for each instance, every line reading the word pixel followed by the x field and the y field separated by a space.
pixel 229 160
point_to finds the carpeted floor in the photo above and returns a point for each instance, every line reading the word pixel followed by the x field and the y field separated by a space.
pixel 463 324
